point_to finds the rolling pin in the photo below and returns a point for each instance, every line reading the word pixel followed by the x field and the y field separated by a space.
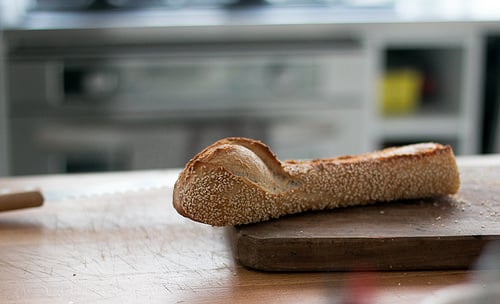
pixel 20 200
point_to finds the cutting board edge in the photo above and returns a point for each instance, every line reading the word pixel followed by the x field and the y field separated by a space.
pixel 292 256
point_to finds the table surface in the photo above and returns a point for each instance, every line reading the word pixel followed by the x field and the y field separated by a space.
pixel 130 245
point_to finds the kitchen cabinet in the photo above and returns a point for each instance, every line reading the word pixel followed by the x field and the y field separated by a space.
pixel 308 88
pixel 126 111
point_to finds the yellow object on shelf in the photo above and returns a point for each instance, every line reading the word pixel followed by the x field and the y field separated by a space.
pixel 400 91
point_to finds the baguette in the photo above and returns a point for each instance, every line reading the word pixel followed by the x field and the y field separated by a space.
pixel 240 181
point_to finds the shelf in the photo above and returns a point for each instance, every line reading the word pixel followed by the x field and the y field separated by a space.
pixel 437 109
pixel 440 70
pixel 420 127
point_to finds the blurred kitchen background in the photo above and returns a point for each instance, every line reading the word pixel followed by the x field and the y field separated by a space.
pixel 89 85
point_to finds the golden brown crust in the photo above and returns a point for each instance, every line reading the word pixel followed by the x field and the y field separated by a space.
pixel 239 181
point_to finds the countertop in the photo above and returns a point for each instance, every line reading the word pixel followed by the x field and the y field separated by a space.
pixel 129 245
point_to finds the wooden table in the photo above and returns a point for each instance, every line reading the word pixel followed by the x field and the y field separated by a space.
pixel 132 246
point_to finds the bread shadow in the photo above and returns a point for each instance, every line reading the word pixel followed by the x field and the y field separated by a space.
pixel 18 224
pixel 407 216
pixel 21 219
pixel 399 210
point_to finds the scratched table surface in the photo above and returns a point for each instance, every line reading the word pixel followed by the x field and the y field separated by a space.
pixel 129 245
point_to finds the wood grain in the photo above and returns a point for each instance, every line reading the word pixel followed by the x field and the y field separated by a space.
pixel 133 247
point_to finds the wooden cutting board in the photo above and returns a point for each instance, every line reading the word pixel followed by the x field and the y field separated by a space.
pixel 439 233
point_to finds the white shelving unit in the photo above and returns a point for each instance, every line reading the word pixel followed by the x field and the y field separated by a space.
pixel 451 61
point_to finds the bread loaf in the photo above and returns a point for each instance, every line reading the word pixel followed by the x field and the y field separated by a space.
pixel 239 181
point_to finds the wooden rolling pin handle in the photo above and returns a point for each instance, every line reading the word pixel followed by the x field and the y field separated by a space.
pixel 20 200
